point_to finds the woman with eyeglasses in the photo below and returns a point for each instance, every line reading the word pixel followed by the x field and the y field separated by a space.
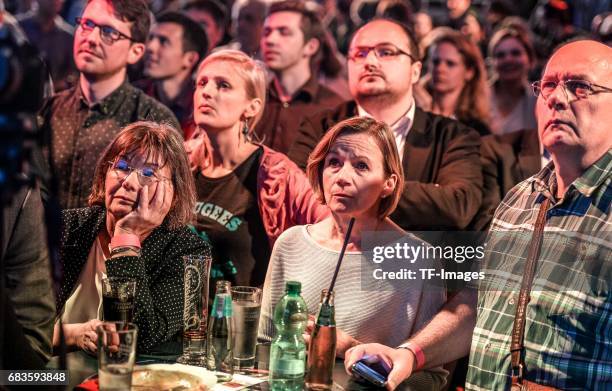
pixel 142 198
pixel 512 101
pixel 247 194
pixel 456 80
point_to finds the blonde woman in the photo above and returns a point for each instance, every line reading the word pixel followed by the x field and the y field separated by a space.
pixel 247 194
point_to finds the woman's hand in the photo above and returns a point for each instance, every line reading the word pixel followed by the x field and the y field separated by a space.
pixel 309 327
pixel 343 340
pixel 82 335
pixel 149 213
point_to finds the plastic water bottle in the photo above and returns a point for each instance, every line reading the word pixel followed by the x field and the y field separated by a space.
pixel 288 350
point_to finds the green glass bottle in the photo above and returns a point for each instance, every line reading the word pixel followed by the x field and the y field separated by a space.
pixel 322 349
pixel 219 356
pixel 288 350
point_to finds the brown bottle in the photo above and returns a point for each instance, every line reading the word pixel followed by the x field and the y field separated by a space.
pixel 322 349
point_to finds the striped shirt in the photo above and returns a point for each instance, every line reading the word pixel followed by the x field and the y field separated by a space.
pixel 568 331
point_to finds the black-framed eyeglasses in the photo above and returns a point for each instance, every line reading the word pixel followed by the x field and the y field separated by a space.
pixel 383 51
pixel 146 175
pixel 580 89
pixel 108 34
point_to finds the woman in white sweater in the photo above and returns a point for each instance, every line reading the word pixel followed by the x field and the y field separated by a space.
pixel 356 170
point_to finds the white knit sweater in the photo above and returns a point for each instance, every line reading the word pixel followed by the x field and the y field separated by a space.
pixel 367 309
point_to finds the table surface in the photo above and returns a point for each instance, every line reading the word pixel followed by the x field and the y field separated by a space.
pixel 82 365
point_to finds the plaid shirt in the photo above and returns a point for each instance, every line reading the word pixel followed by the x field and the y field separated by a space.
pixel 568 331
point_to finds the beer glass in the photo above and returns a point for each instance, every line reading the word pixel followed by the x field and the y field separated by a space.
pixel 246 306
pixel 195 313
pixel 118 298
pixel 116 355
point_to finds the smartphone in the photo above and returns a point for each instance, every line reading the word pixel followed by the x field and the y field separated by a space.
pixel 372 369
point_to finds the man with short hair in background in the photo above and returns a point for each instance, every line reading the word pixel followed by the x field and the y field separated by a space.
pixel 212 16
pixel 175 47
pixel 247 26
pixel 83 120
pixel 291 46
pixel 53 37
pixel 440 156
pixel 456 13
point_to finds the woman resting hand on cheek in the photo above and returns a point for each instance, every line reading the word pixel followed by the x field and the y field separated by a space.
pixel 136 227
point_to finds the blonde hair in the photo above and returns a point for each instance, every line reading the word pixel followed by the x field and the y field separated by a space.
pixel 251 71
pixel 377 130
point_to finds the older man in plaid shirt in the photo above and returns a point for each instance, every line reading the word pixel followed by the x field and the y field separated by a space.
pixel 568 330
pixel 568 327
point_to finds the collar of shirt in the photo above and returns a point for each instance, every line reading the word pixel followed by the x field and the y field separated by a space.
pixel 590 184
pixel 400 128
pixel 307 93
pixel 109 104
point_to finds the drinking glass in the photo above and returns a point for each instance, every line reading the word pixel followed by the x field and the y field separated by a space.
pixel 246 303
pixel 195 313
pixel 116 355
pixel 118 298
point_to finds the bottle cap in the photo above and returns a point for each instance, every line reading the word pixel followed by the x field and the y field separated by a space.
pixel 293 287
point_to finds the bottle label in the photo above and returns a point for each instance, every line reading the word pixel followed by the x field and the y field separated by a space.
pixel 326 315
pixel 290 367
pixel 222 306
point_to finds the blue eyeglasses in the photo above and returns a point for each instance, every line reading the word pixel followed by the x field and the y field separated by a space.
pixel 146 175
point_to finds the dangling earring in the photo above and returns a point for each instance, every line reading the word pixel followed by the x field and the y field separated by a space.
pixel 245 131
pixel 245 128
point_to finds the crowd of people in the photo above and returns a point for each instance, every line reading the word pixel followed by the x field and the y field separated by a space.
pixel 257 129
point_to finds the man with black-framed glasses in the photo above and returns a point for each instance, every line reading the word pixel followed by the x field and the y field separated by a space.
pixel 443 179
pixel 383 65
pixel 81 121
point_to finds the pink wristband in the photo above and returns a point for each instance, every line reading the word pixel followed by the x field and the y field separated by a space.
pixel 418 353
pixel 123 240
